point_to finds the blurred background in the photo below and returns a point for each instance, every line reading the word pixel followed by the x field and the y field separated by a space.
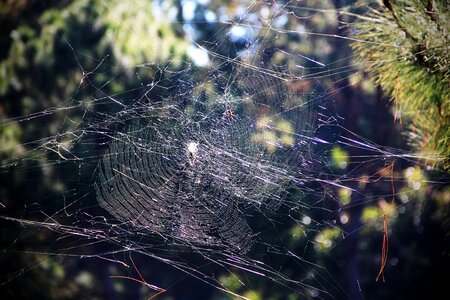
pixel 54 53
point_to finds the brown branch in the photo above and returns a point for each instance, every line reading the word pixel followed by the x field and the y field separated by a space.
pixel 388 4
pixel 431 10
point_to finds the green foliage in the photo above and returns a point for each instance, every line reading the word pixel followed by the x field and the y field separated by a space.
pixel 61 57
pixel 339 157
pixel 325 239
pixel 404 45
pixel 66 51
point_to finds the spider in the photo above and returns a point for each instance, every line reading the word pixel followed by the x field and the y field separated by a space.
pixel 192 149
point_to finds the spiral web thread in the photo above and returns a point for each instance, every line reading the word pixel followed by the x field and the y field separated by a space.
pixel 193 175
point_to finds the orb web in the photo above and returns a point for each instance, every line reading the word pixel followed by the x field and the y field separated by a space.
pixel 248 163
pixel 192 174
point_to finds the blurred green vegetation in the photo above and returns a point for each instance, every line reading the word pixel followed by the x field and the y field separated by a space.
pixel 52 55
pixel 408 55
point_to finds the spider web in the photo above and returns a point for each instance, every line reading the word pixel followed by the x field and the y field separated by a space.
pixel 208 168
